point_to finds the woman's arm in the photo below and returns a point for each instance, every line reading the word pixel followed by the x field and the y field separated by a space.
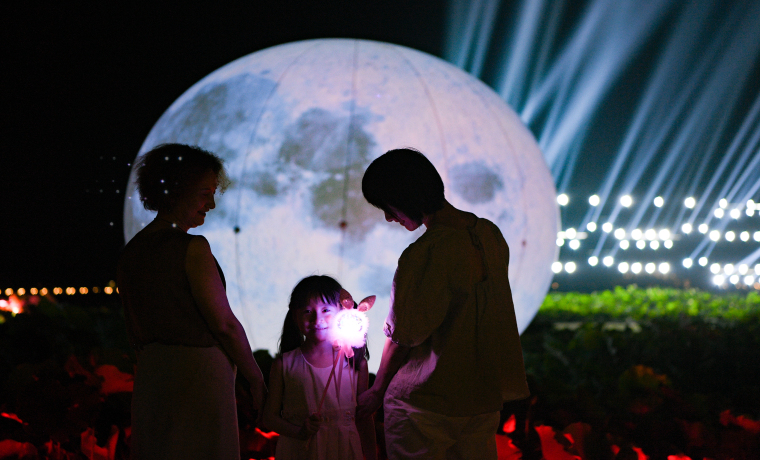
pixel 366 425
pixel 394 355
pixel 208 293
pixel 272 419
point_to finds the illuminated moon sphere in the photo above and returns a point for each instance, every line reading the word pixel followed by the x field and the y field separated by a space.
pixel 297 125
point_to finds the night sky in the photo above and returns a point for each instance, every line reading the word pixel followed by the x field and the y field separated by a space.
pixel 85 84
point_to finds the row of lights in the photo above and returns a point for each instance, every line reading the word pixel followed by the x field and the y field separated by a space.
pixel 627 201
pixel 623 267
pixel 59 291
pixel 653 236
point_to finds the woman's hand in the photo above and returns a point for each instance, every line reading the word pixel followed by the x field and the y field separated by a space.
pixel 310 427
pixel 368 403
pixel 259 394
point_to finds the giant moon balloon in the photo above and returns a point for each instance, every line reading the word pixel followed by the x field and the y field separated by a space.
pixel 297 125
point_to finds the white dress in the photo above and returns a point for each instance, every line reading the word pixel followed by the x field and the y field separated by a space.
pixel 303 385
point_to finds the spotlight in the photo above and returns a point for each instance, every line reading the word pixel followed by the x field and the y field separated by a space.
pixel 687 262
pixel 560 242
pixel 637 234
pixel 703 261
pixel 570 233
pixel 756 236
pixel 620 233
pixel 744 236
pixel 757 269
pixel 703 228
pixel 728 269
pixel 730 236
pixel 608 261
pixel 21 291
pixel 723 203
pixel 659 201
pixel 734 279
pixel 636 268
pixel 607 227
pixel 750 212
pixel 626 201
pixel 718 280
pixel 735 213
pixel 743 269
pixel 715 268
pixel 641 244
pixel 650 268
pixel 570 267
pixel 664 234
pixel 690 202
pixel 750 204
pixel 575 244
pixel 593 260
pixel 664 268
pixel 668 244
pixel 593 200
pixel 719 213
pixel 749 280
pixel 624 244
pixel 715 235
pixel 9 292
pixel 623 267
pixel 654 245
pixel 562 199
pixel 650 234
pixel 591 226
pixel 686 228
pixel 33 291
pixel 557 267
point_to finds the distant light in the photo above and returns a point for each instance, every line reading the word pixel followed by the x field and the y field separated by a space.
pixel 650 268
pixel 715 235
pixel 664 268
pixel 719 213
pixel 687 262
pixel 620 233
pixel 664 234
pixel 623 267
pixel 690 202
pixel 108 290
pixel 608 261
pixel 556 267
pixel 626 201
pixel 83 290
pixel 9 292
pixel 641 244
pixel 703 228
pixel 650 234
pixel 591 226
pixel 757 269
pixel 756 236
pixel 735 213
pixel 749 280
pixel 95 289
pixel 730 236
pixel 750 204
pixel 33 291
pixel 43 291
pixel 654 245
pixel 728 269
pixel 637 234
pixel 750 212
pixel 636 267
pixel 715 268
pixel 570 267
pixel 71 290
pixel 21 291
pixel 686 228
pixel 703 261
pixel 723 203
pixel 744 236
pixel 734 279
pixel 659 201
pixel 563 199
pixel 624 244
pixel 593 260
pixel 57 291
pixel 607 227
pixel 718 280
pixel 570 233
pixel 668 244
pixel 743 269
pixel 560 242
pixel 593 200
pixel 575 244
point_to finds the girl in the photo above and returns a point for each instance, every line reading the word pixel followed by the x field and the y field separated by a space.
pixel 298 378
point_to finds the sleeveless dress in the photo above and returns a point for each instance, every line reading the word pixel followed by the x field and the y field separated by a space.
pixel 303 385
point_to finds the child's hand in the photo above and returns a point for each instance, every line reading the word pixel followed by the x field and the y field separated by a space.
pixel 310 427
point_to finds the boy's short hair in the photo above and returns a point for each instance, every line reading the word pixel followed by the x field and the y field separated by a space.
pixel 406 180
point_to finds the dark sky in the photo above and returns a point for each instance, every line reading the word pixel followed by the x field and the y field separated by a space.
pixel 83 85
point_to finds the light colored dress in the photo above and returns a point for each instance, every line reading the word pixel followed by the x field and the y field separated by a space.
pixel 303 385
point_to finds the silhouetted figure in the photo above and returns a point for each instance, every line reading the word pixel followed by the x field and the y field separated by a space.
pixel 188 342
pixel 453 355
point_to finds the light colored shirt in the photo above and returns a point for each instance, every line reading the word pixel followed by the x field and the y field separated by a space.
pixel 451 302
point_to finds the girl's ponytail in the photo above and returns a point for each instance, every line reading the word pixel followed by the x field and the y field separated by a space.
pixel 291 337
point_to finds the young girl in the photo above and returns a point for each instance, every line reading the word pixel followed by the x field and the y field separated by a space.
pixel 298 378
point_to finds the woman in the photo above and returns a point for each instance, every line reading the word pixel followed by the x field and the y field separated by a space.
pixel 453 355
pixel 188 341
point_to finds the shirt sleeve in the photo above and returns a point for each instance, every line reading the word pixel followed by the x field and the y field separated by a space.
pixel 420 295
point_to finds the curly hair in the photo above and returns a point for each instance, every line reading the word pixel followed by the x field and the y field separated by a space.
pixel 406 180
pixel 166 172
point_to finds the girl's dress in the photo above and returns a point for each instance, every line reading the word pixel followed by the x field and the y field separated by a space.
pixel 303 385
